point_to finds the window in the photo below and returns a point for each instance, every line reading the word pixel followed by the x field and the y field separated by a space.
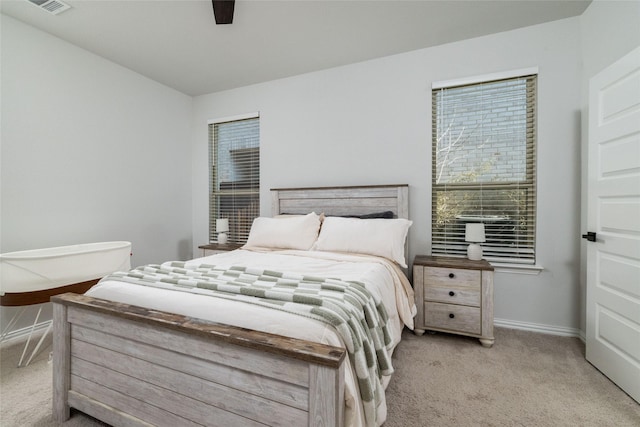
pixel 234 149
pixel 484 167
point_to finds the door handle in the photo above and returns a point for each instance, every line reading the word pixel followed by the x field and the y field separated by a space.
pixel 590 236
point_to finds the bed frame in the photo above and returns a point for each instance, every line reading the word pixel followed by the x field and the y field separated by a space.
pixel 131 366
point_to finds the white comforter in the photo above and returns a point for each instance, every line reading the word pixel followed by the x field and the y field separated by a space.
pixel 379 275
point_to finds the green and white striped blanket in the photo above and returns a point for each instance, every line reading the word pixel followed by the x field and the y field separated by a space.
pixel 358 316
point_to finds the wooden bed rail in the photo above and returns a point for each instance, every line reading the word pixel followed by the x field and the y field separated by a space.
pixel 124 364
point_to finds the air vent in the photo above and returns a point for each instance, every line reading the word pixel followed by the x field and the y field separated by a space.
pixel 54 7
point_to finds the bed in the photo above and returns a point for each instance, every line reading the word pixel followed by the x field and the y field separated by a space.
pixel 160 345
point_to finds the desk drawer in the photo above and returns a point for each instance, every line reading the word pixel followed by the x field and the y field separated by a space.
pixel 456 318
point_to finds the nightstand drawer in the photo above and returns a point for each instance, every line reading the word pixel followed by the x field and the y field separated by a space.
pixel 453 295
pixel 445 277
pixel 452 317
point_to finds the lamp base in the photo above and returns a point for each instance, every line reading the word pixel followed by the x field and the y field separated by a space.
pixel 474 252
pixel 222 238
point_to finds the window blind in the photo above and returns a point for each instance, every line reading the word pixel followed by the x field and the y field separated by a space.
pixel 234 148
pixel 484 168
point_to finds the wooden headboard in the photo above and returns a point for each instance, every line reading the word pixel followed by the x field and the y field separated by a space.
pixel 342 201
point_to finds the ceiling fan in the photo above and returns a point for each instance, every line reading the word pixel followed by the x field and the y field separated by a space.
pixel 223 11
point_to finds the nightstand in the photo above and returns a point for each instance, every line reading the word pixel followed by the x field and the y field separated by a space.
pixel 454 295
pixel 216 248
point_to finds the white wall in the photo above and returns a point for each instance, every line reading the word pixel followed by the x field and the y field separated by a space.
pixel 90 152
pixel 609 30
pixel 369 123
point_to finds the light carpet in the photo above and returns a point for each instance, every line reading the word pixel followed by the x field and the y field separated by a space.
pixel 525 379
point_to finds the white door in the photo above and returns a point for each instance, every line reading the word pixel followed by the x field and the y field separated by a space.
pixel 613 260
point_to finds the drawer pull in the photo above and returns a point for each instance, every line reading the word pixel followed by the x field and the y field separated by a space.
pixel 452 294
pixel 451 315
pixel 451 275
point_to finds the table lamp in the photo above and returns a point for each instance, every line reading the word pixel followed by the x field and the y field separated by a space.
pixel 222 227
pixel 474 233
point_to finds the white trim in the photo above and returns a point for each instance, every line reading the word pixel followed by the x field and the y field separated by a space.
pixel 536 327
pixel 485 78
pixel 533 270
pixel 234 118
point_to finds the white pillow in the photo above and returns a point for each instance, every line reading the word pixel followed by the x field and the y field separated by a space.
pixel 294 232
pixel 381 237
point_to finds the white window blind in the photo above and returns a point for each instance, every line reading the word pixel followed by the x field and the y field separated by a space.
pixel 484 168
pixel 234 148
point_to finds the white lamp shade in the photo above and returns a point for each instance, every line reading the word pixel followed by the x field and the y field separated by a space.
pixel 222 225
pixel 474 232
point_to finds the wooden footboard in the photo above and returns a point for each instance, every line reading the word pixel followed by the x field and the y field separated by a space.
pixel 132 366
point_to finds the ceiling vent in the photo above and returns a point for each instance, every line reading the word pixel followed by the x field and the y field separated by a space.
pixel 54 7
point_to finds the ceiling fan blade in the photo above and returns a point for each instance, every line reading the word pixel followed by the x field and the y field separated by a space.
pixel 223 11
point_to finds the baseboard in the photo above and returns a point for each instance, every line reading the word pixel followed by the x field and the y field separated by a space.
pixel 537 327
pixel 22 333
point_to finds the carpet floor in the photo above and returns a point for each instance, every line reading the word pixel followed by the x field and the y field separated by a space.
pixel 525 379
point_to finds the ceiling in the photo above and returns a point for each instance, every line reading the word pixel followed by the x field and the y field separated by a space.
pixel 177 43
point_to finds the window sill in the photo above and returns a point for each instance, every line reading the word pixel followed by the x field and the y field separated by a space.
pixel 533 270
